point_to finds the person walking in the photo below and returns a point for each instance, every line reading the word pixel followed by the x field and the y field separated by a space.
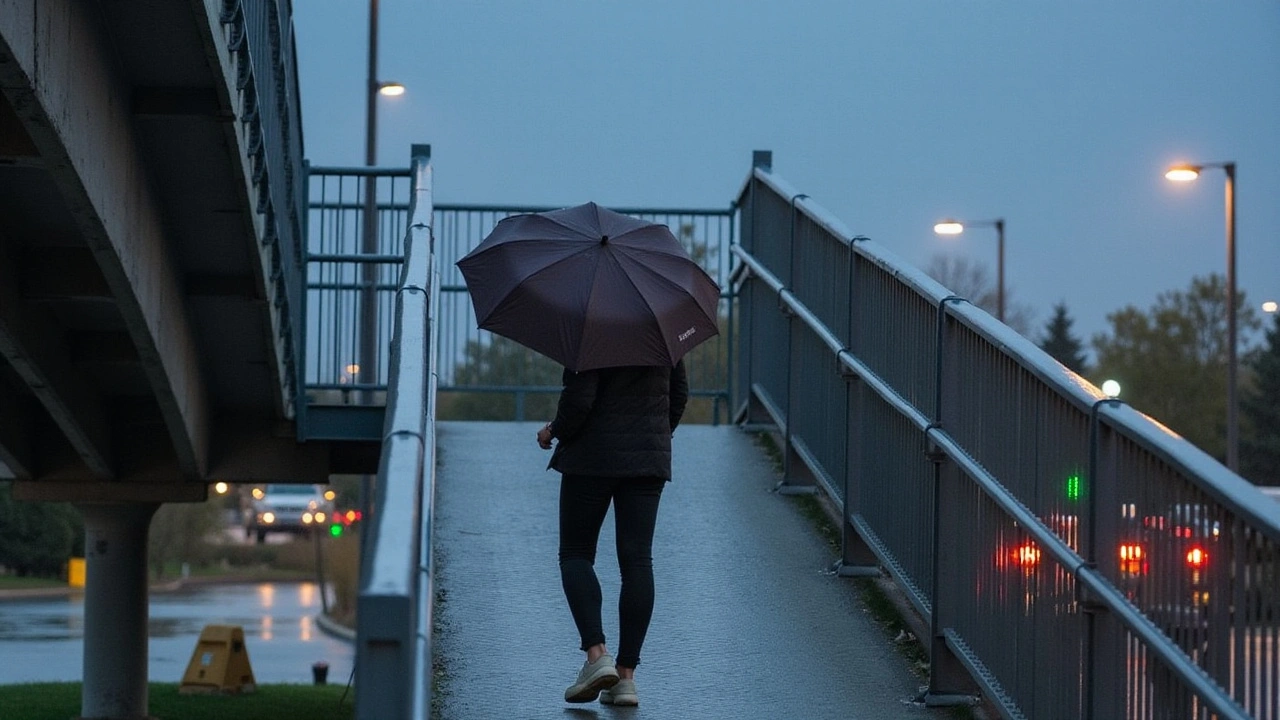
pixel 613 429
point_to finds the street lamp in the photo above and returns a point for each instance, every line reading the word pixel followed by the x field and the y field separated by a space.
pixel 1269 306
pixel 955 227
pixel 1185 173
pixel 367 364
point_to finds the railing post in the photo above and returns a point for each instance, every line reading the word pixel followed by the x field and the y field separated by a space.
pixel 750 411
pixel 1105 669
pixel 797 479
pixel 856 557
pixel 949 680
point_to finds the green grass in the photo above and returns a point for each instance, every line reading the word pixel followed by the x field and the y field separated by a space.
pixel 13 582
pixel 259 573
pixel 60 701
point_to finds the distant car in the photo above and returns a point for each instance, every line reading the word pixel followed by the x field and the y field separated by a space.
pixel 285 507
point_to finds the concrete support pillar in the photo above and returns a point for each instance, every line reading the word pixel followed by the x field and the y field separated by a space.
pixel 115 610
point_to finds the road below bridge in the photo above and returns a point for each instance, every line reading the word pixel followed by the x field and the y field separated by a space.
pixel 279 621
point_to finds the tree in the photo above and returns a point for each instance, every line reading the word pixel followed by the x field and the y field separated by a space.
pixel 1059 342
pixel 496 364
pixel 179 531
pixel 973 282
pixel 1171 362
pixel 1260 413
pixel 37 538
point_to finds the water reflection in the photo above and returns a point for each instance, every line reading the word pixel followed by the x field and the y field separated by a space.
pixel 267 594
pixel 281 635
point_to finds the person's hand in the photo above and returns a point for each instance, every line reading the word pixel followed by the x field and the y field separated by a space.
pixel 544 437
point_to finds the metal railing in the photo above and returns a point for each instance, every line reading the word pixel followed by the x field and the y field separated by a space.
pixel 503 380
pixel 1073 557
pixel 394 608
pixel 475 362
pixel 259 37
pixel 343 279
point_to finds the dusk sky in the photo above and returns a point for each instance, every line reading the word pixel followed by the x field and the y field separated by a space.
pixel 1060 117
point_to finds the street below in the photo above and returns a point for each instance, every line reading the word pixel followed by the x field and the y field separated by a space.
pixel 42 640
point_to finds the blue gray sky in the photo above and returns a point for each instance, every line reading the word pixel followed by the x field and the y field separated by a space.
pixel 1058 116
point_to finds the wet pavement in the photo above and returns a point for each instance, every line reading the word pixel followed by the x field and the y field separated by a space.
pixel 748 623
pixel 279 621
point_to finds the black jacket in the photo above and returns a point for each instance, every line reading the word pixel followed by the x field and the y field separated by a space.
pixel 617 422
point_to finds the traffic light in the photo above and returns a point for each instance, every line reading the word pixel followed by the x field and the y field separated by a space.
pixel 335 530
pixel 1073 487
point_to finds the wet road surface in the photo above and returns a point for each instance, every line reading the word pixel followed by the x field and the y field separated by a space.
pixel 42 640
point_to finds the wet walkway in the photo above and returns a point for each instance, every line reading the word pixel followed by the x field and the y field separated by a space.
pixel 747 623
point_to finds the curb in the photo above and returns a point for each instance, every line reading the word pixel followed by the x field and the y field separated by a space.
pixel 59 591
pixel 335 628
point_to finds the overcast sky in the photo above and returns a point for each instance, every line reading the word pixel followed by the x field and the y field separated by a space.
pixel 1058 116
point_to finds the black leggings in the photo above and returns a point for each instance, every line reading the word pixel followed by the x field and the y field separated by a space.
pixel 584 500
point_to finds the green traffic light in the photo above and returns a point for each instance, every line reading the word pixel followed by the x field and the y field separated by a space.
pixel 1073 487
pixel 335 530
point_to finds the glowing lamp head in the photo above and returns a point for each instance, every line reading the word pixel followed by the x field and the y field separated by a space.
pixel 949 227
pixel 1269 306
pixel 1182 173
pixel 390 89
pixel 221 488
pixel 1111 388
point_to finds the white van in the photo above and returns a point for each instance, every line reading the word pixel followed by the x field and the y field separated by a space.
pixel 286 507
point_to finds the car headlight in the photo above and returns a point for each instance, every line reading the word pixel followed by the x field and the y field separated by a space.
pixel 306 518
pixel 268 517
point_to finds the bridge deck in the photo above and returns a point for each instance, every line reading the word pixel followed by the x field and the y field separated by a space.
pixel 747 624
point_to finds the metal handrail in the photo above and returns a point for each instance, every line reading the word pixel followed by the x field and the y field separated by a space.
pixel 1093 584
pixel 394 610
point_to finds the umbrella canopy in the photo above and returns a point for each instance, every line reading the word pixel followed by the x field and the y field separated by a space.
pixel 591 288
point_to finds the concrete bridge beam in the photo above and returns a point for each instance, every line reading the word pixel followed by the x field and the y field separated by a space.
pixel 40 358
pixel 58 71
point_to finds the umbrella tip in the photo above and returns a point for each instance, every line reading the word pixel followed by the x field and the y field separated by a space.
pixel 604 239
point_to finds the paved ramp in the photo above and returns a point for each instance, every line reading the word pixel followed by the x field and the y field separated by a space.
pixel 747 624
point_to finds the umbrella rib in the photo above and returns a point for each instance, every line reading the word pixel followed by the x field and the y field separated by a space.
pixel 569 255
pixel 660 277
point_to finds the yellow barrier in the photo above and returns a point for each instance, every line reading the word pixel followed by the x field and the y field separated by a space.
pixel 75 572
pixel 220 663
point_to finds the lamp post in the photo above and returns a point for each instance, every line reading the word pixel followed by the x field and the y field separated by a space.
pixel 955 227
pixel 1186 173
pixel 367 367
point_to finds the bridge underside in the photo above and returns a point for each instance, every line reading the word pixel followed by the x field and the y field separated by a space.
pixel 137 337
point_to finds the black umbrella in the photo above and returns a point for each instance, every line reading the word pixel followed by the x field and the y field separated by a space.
pixel 591 288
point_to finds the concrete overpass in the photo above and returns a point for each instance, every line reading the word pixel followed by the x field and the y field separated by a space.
pixel 151 249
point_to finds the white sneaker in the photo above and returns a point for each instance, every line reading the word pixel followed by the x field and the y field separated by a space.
pixel 592 678
pixel 623 693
